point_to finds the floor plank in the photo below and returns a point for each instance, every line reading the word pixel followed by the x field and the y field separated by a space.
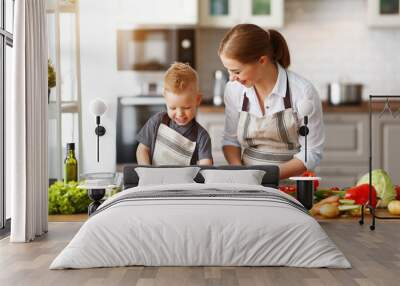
pixel 375 257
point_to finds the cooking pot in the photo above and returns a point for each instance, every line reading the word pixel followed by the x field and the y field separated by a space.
pixel 340 93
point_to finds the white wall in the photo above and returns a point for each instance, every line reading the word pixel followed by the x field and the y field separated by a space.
pixel 330 39
pixel 100 78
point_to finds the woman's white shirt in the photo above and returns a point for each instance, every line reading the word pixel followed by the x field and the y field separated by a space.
pixel 300 89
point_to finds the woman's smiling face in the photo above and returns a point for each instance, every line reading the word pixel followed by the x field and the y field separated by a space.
pixel 246 74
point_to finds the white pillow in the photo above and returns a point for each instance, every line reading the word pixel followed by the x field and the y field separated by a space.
pixel 248 177
pixel 162 176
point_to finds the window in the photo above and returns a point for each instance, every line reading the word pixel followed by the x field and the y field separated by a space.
pixel 6 44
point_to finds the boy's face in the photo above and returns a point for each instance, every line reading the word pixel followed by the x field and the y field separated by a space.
pixel 182 107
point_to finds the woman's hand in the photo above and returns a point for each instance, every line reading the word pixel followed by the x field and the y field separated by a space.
pixel 294 167
pixel 233 154
pixel 143 155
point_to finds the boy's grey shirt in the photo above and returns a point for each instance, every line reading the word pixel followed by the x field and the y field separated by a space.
pixel 192 131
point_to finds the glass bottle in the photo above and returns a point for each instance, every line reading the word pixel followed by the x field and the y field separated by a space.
pixel 70 165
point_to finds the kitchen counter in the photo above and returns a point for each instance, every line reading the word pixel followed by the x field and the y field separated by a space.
pixel 211 108
pixel 362 108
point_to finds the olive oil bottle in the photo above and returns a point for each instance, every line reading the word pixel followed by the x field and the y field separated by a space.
pixel 70 165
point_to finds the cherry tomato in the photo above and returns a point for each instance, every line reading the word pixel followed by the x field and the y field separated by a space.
pixel 311 174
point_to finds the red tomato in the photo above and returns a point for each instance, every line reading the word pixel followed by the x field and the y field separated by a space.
pixel 287 189
pixel 311 174
pixel 308 174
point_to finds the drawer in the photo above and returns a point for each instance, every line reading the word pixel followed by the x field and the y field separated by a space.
pixel 386 142
pixel 346 138
pixel 219 158
pixel 214 124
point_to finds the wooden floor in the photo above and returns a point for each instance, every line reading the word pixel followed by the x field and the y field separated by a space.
pixel 375 257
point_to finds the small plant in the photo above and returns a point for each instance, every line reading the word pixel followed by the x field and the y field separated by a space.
pixel 51 75
pixel 67 198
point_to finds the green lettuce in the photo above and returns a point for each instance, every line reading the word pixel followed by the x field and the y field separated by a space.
pixel 383 184
pixel 67 198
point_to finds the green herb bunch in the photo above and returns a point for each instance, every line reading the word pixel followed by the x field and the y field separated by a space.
pixel 67 198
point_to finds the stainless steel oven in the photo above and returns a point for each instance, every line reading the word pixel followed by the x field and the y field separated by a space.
pixel 132 113
pixel 154 49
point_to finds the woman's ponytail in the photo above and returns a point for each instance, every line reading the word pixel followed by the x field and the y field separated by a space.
pixel 280 50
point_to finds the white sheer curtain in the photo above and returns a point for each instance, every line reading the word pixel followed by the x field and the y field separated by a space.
pixel 28 123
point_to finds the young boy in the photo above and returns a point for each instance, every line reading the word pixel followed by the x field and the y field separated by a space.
pixel 174 137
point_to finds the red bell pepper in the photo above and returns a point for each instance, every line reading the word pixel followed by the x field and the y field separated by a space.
pixel 360 194
pixel 397 187
pixel 311 174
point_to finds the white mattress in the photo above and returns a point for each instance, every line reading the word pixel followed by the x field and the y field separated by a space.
pixel 207 230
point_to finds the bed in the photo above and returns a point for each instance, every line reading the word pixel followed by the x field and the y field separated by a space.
pixel 201 224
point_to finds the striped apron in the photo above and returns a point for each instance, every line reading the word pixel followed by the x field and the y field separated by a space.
pixel 268 140
pixel 172 148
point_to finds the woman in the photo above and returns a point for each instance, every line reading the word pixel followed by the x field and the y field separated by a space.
pixel 262 101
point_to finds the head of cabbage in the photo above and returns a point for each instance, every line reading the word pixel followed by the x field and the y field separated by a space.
pixel 383 184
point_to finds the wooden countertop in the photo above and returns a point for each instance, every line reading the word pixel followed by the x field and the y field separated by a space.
pixel 362 108
pixel 354 219
pixel 211 108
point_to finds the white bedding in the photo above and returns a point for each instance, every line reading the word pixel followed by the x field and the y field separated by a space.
pixel 190 230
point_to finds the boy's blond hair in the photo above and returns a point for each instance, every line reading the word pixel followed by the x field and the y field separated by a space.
pixel 179 77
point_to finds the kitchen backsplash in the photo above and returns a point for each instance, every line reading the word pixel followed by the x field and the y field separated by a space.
pixel 329 40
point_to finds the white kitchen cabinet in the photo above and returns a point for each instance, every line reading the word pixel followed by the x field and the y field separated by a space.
pixel 385 144
pixel 383 13
pixel 131 13
pixel 346 153
pixel 227 13
pixel 213 122
pixel 340 175
pixel 346 138
pixel 346 149
pixel 219 13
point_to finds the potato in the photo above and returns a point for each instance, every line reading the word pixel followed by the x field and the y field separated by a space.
pixel 329 211
pixel 314 211
pixel 394 207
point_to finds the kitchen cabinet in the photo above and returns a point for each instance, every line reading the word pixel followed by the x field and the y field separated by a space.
pixel 131 13
pixel 213 122
pixel 346 149
pixel 383 13
pixel 340 175
pixel 385 144
pixel 346 138
pixel 227 13
pixel 346 152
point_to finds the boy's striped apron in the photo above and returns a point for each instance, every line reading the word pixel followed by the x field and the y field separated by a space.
pixel 172 148
pixel 268 139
